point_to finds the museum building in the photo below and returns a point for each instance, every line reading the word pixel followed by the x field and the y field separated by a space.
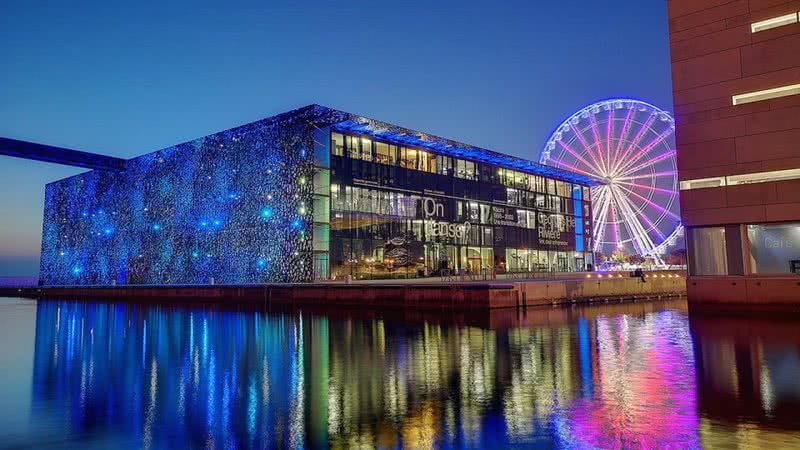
pixel 314 194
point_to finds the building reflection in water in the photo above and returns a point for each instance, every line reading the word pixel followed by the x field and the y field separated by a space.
pixel 748 377
pixel 154 376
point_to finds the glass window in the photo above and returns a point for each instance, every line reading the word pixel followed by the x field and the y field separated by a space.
pixel 337 200
pixel 551 186
pixel 321 237
pixel 774 248
pixel 470 171
pixel 366 149
pixel 512 196
pixel 563 188
pixel 709 256
pixel 486 214
pixel 322 208
pixel 461 168
pixel 393 155
pixel 443 165
pixel 521 180
pixel 321 266
pixel 487 237
pixel 381 153
pixel 337 144
pixel 322 181
pixel 351 142
pixel 433 164
pixel 577 193
pixel 408 158
pixel 423 160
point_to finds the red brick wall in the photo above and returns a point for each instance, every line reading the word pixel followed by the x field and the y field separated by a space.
pixel 715 56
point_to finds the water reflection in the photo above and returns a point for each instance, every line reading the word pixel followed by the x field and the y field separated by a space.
pixel 748 381
pixel 601 377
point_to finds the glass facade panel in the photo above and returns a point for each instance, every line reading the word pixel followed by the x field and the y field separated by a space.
pixel 337 144
pixel 366 149
pixel 708 255
pixel 774 248
pixel 406 212
pixel 322 209
pixel 321 237
pixel 322 181
pixel 382 153
pixel 321 266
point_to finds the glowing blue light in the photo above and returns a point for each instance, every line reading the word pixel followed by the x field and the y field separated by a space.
pixel 85 214
pixel 217 223
pixel 156 227
pixel 203 223
pixel 297 223
pixel 195 254
pixel 261 262
pixel 107 231
pixel 77 270
pixel 266 213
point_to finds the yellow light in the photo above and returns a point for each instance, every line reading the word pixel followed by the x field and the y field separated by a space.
pixel 774 22
pixel 757 96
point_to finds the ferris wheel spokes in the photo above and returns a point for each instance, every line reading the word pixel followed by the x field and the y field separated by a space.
pixel 627 146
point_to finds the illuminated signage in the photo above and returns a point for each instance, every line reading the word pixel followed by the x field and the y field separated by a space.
pixel 551 227
pixel 443 229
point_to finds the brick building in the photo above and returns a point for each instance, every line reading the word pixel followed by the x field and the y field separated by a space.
pixel 736 86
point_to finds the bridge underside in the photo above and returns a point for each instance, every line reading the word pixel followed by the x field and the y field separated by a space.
pixel 59 155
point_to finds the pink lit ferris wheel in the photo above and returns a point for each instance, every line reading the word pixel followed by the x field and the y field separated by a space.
pixel 628 146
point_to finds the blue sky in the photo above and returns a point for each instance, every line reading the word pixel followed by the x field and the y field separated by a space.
pixel 126 79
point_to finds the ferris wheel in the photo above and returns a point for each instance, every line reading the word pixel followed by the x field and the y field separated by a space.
pixel 628 146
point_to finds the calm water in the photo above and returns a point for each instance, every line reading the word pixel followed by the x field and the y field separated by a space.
pixel 102 375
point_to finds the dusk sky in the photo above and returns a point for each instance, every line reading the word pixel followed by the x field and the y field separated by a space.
pixel 126 79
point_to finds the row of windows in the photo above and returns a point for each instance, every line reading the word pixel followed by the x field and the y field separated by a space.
pixel 368 226
pixel 373 201
pixel 366 259
pixel 366 149
pixel 412 179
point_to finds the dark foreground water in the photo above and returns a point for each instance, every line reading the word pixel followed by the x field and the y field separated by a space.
pixel 103 375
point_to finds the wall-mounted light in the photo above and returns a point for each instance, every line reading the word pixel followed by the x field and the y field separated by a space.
pixel 757 96
pixel 774 22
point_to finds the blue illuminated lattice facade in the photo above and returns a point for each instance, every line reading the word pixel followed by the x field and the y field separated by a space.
pixel 234 207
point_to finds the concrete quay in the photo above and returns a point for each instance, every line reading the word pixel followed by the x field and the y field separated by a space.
pixel 405 294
